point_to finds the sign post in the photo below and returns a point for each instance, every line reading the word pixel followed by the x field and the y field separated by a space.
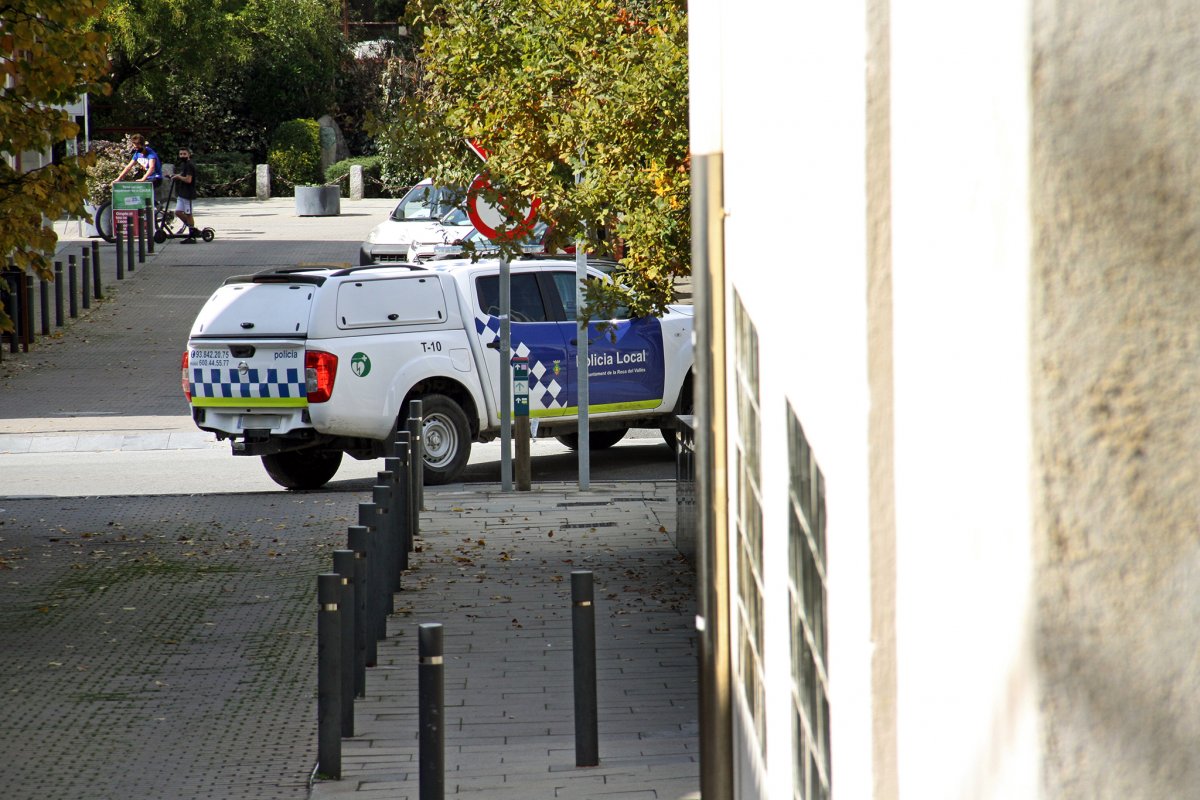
pixel 128 197
pixel 520 366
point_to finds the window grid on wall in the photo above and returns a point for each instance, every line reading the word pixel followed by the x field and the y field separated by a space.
pixel 809 618
pixel 749 550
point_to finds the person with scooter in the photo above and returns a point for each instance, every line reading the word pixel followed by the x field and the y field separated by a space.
pixel 185 188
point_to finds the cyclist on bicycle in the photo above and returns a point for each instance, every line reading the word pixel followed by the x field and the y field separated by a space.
pixel 147 159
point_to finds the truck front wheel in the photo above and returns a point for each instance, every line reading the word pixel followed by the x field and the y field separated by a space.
pixel 445 437
pixel 310 468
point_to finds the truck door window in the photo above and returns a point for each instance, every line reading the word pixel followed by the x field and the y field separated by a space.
pixel 527 305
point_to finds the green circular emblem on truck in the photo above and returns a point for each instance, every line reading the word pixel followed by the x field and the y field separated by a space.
pixel 360 365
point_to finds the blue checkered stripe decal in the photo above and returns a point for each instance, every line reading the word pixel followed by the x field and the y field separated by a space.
pixel 547 388
pixel 254 384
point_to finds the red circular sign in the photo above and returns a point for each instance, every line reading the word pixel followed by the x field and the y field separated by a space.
pixel 489 219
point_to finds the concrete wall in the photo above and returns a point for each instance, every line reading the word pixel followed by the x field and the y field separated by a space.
pixel 1116 365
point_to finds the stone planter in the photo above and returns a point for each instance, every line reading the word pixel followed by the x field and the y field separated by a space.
pixel 318 201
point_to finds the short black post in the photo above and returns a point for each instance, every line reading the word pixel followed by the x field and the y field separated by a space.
pixel 44 305
pixel 368 517
pixel 416 439
pixel 27 302
pixel 129 237
pixel 97 292
pixel 343 565
pixel 120 251
pixel 412 514
pixel 58 294
pixel 72 287
pixel 398 466
pixel 329 675
pixel 381 494
pixel 85 276
pixel 149 227
pixel 431 712
pixel 583 647
pixel 11 284
pixel 356 540
pixel 141 235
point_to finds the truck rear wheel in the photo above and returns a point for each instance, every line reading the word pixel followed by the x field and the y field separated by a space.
pixel 445 437
pixel 600 440
pixel 310 468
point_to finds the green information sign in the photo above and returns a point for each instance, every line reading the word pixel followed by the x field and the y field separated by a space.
pixel 520 371
pixel 127 198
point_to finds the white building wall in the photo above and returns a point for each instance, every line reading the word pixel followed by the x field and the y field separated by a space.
pixel 960 254
pixel 794 142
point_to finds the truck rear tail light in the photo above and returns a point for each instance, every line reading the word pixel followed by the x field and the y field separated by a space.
pixel 320 370
pixel 187 385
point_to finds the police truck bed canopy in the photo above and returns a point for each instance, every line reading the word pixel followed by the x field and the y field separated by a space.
pixel 256 310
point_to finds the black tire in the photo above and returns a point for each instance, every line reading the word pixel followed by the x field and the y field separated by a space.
pixel 445 437
pixel 310 468
pixel 208 234
pixel 600 440
pixel 160 237
pixel 103 222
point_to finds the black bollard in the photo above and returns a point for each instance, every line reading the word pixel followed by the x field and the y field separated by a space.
pixel 343 565
pixel 416 441
pixel 141 235
pixel 27 302
pixel 72 287
pixel 381 494
pixel 96 291
pixel 583 652
pixel 356 541
pixel 58 294
pixel 85 276
pixel 149 227
pixel 431 712
pixel 412 516
pixel 329 676
pixel 368 517
pixel 129 237
pixel 44 299
pixel 120 251
pixel 398 466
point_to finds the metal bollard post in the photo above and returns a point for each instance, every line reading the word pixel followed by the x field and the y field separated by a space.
pixel 583 652
pixel 364 645
pixel 27 302
pixel 129 237
pixel 58 294
pixel 412 514
pixel 72 287
pixel 120 251
pixel 85 276
pixel 97 292
pixel 368 517
pixel 381 494
pixel 431 712
pixel 44 298
pixel 149 227
pixel 329 675
pixel 343 565
pixel 416 439
pixel 398 466
pixel 141 235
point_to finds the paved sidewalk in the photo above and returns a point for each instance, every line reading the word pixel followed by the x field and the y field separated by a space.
pixel 495 571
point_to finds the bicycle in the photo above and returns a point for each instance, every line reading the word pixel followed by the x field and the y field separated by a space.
pixel 104 222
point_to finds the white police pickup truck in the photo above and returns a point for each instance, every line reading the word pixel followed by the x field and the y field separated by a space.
pixel 299 366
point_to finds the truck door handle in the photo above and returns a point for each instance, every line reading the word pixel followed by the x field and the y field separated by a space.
pixel 493 345
pixel 393 317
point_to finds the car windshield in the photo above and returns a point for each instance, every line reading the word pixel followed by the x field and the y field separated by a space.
pixel 425 201
pixel 457 216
